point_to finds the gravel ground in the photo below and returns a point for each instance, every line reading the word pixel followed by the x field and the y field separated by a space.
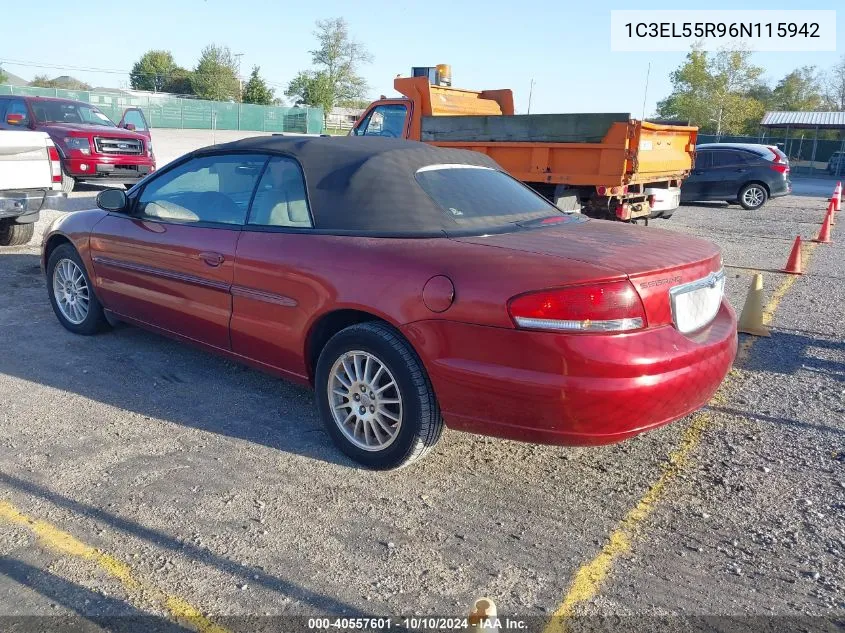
pixel 217 485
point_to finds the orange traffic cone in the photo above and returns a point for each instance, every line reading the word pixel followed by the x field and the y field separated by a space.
pixel 837 195
pixel 793 264
pixel 830 213
pixel 824 233
pixel 751 319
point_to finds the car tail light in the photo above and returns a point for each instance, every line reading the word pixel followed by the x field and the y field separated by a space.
pixel 605 307
pixel 780 168
pixel 55 163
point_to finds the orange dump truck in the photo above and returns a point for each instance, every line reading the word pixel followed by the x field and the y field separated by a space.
pixel 607 165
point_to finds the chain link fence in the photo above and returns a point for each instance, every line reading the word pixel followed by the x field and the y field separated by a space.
pixel 167 111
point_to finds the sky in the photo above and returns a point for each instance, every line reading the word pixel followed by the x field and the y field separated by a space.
pixel 564 47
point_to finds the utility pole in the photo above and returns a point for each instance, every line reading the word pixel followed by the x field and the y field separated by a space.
pixel 530 94
pixel 240 79
pixel 645 93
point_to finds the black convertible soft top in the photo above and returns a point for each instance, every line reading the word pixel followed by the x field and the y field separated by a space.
pixel 366 184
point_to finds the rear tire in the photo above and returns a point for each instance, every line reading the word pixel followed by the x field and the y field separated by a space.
pixel 15 234
pixel 753 196
pixel 353 356
pixel 92 320
pixel 68 183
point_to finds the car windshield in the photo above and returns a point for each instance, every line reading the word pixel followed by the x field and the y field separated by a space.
pixel 476 197
pixel 65 112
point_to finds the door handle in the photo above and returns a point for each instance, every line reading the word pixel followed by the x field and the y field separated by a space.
pixel 742 170
pixel 212 259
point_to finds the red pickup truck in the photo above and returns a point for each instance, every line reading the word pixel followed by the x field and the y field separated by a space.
pixel 91 146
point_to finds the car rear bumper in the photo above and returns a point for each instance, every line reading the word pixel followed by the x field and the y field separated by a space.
pixel 666 199
pixel 23 205
pixel 572 389
pixel 779 189
pixel 115 168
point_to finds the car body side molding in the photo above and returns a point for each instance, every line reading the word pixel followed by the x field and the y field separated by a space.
pixel 159 272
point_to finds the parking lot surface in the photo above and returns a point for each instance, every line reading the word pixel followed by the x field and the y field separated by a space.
pixel 142 476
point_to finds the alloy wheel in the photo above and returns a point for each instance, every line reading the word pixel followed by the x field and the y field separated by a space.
pixel 71 291
pixel 365 400
pixel 753 196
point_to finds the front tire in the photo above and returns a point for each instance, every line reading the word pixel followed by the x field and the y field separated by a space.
pixel 753 196
pixel 15 234
pixel 72 293
pixel 375 397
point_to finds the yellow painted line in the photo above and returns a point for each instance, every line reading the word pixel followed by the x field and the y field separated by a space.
pixel 53 538
pixel 590 576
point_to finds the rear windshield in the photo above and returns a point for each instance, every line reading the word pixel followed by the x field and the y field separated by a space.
pixel 476 197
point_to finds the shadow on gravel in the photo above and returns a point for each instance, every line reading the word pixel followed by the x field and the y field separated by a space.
pixel 110 613
pixel 776 420
pixel 798 350
pixel 253 575
pixel 147 373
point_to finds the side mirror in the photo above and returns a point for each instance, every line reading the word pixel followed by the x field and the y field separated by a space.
pixel 112 200
pixel 130 127
pixel 14 119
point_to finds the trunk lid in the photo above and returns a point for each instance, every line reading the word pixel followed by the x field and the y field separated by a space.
pixel 655 260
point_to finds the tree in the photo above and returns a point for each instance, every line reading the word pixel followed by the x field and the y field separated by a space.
pixel 65 82
pixel 216 75
pixel 337 60
pixel 311 88
pixel 256 89
pixel 153 71
pixel 836 85
pixel 800 90
pixel 41 81
pixel 3 76
pixel 713 92
pixel 179 82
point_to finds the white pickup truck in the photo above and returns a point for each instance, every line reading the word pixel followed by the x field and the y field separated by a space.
pixel 30 180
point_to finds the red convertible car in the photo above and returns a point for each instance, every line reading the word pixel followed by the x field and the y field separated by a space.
pixel 410 286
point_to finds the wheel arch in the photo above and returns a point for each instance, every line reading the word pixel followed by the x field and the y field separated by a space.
pixel 327 325
pixel 755 182
pixel 52 243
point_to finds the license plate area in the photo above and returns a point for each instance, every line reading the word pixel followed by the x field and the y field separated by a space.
pixel 695 304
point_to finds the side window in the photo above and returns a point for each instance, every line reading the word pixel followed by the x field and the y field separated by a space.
pixel 703 160
pixel 280 199
pixel 724 158
pixel 205 189
pixel 135 118
pixel 384 120
pixel 17 106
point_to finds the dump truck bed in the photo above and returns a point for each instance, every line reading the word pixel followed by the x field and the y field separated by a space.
pixel 609 149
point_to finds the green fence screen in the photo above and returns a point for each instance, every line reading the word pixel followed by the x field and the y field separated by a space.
pixel 166 111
